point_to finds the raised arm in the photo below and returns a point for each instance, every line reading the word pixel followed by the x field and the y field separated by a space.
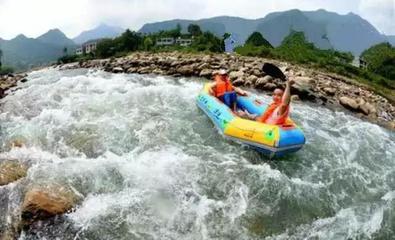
pixel 286 97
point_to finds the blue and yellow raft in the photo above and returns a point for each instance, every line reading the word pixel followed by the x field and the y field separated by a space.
pixel 272 140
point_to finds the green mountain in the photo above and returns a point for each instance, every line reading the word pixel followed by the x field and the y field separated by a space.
pixel 23 53
pixel 102 31
pixel 276 26
pixel 325 29
pixel 56 38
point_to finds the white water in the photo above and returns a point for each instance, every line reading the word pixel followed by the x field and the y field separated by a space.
pixel 150 165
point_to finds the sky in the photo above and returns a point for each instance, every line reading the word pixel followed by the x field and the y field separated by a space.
pixel 35 17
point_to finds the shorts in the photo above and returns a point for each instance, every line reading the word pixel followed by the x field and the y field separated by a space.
pixel 229 99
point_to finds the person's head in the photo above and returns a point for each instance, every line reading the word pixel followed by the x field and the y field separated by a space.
pixel 223 73
pixel 277 95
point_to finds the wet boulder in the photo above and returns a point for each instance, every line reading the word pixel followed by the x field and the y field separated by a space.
pixel 117 70
pixel 367 108
pixel 349 103
pixel 235 75
pixel 206 73
pixel 238 82
pixel 186 70
pixel 11 171
pixel 43 202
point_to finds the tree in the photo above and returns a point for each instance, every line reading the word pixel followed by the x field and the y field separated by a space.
pixel 128 41
pixel 194 29
pixel 65 51
pixel 380 59
pixel 226 35
pixel 256 39
pixel 208 42
pixel 148 43
pixel 105 48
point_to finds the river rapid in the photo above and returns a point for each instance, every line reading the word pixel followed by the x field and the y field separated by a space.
pixel 150 165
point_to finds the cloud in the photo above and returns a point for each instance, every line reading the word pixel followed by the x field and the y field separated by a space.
pixel 34 17
pixel 381 14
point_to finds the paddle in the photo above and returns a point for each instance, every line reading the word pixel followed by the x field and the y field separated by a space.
pixel 273 70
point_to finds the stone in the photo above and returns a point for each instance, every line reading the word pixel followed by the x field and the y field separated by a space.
pixel 330 91
pixel 186 70
pixel 257 72
pixel 260 82
pixel 349 103
pixel 235 75
pixel 43 202
pixel 295 98
pixel 132 70
pixel 251 79
pixel 238 82
pixel 117 70
pixel 300 74
pixel 269 86
pixel 11 171
pixel 207 73
pixel 367 108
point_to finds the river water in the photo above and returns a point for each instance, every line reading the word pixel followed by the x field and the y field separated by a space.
pixel 150 165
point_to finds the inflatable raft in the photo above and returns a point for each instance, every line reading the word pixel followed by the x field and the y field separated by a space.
pixel 272 140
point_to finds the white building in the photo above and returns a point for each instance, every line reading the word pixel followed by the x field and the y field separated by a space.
pixel 184 41
pixel 88 47
pixel 165 41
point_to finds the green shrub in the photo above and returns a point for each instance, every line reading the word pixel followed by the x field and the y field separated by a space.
pixel 6 70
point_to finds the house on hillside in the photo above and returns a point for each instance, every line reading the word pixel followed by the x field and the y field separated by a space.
pixel 88 47
pixel 165 41
pixel 184 41
pixel 169 41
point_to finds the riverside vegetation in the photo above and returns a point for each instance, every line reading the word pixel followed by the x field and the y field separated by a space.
pixel 380 74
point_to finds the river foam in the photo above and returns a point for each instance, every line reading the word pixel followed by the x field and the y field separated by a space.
pixel 150 165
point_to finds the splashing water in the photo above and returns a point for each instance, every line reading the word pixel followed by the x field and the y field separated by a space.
pixel 150 165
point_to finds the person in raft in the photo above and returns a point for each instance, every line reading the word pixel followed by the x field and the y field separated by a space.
pixel 223 89
pixel 277 112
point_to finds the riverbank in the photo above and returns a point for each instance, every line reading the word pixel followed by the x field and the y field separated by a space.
pixel 331 90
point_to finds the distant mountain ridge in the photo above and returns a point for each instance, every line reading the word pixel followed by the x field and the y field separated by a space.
pixel 325 29
pixel 56 37
pixel 22 52
pixel 101 31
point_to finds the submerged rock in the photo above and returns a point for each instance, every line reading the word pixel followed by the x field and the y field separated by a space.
pixel 11 171
pixel 46 202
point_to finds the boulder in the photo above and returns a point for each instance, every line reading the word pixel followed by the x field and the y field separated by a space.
pixel 367 108
pixel 295 98
pixel 117 70
pixel 269 86
pixel 186 70
pixel 235 75
pixel 43 202
pixel 257 72
pixel 239 82
pixel 349 103
pixel 330 91
pixel 206 73
pixel 11 170
pixel 251 79
pixel 260 82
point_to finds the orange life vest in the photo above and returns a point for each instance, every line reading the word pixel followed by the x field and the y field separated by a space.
pixel 271 115
pixel 222 86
